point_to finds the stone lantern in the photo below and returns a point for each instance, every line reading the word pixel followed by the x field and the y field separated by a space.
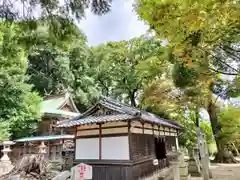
pixel 42 148
pixel 6 164
pixel 183 167
pixel 6 149
pixel 173 158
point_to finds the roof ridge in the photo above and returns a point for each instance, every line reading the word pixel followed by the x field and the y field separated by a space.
pixel 48 97
pixel 124 109
pixel 123 105
pixel 139 111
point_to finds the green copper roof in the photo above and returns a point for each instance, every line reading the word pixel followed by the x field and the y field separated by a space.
pixel 50 107
pixel 53 103
pixel 62 113
pixel 45 138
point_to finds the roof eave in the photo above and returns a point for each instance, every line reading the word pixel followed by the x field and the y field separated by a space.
pixel 49 114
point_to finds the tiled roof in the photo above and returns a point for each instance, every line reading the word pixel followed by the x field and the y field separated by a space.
pixel 45 138
pixel 125 112
pixel 95 119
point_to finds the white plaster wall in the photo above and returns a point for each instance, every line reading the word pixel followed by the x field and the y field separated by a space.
pixel 115 148
pixel 87 148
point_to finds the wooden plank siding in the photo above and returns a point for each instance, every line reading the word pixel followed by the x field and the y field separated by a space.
pixel 123 127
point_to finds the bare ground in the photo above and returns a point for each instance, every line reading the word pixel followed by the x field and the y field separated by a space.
pixel 224 172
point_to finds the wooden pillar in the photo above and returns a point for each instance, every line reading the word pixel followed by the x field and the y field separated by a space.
pixel 74 141
pixel 49 149
pixel 24 148
pixel 130 140
pixel 142 127
pixel 100 141
pixel 153 129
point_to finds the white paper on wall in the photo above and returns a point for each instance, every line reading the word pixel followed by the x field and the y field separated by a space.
pixel 87 148
pixel 115 148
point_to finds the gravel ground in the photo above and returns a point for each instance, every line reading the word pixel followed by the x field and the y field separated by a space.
pixel 224 172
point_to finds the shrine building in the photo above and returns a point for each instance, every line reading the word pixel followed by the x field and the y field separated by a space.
pixel 121 142
pixel 54 108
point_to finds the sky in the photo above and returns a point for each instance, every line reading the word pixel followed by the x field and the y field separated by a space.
pixel 120 24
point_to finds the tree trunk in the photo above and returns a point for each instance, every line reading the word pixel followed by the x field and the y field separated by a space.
pixel 235 148
pixel 132 97
pixel 222 156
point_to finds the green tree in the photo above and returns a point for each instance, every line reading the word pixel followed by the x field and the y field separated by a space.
pixel 84 87
pixel 48 57
pixel 200 41
pixel 57 65
pixel 123 68
pixel 19 107
pixel 102 68
pixel 230 123
pixel 67 9
pixel 191 23
pixel 49 70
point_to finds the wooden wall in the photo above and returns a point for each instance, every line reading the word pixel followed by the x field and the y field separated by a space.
pixel 135 127
pixel 122 170
pixel 141 138
pixel 143 152
pixel 146 168
pixel 138 127
pixel 106 129
pixel 142 147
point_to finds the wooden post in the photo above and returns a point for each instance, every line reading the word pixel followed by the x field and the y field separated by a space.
pixel 49 149
pixel 142 127
pixel 100 141
pixel 24 148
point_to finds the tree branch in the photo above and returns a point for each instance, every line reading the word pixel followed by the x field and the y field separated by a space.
pixel 230 48
pixel 223 62
pixel 228 51
pixel 221 72
pixel 218 71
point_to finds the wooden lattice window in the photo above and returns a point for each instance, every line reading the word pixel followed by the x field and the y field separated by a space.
pixel 160 148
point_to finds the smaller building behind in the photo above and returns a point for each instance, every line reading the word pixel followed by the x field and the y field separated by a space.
pixel 53 108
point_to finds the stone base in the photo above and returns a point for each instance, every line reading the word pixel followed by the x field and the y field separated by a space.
pixel 188 177
pixel 183 171
pixel 5 168
pixel 210 174
pixel 194 169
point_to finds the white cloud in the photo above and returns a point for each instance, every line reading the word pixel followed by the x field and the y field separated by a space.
pixel 120 24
